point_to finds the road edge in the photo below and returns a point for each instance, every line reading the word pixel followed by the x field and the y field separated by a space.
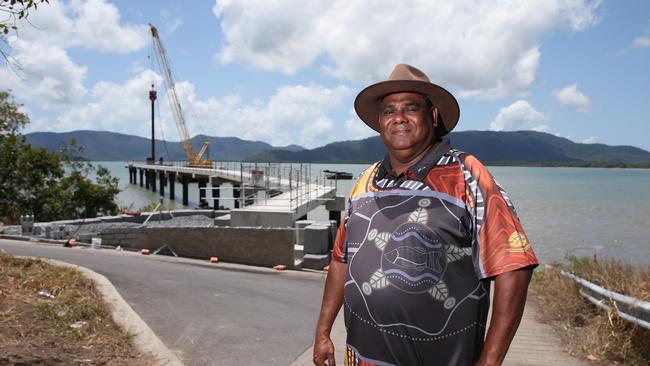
pixel 144 338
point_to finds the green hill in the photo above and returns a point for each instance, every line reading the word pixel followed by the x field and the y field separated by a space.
pixel 491 147
pixel 111 146
pixel 510 148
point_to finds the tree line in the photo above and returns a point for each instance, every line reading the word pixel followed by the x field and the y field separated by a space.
pixel 49 185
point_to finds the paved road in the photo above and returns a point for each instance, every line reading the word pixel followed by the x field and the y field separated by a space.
pixel 229 314
pixel 221 314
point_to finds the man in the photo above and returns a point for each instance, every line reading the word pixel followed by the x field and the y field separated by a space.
pixel 428 228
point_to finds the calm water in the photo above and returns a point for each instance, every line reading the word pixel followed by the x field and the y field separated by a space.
pixel 581 211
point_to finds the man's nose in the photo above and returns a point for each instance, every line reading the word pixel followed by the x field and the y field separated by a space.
pixel 400 116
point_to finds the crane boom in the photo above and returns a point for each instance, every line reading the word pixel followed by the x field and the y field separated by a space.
pixel 165 68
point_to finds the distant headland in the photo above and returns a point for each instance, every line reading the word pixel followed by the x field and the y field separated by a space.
pixel 513 148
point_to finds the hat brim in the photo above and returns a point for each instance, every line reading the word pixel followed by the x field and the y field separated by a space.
pixel 369 100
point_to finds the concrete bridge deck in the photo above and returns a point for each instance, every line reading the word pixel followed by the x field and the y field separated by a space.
pixel 300 191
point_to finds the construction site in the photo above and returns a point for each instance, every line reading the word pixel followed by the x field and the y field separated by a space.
pixel 250 213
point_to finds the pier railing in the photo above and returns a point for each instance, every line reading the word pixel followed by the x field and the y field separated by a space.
pixel 289 185
pixel 628 308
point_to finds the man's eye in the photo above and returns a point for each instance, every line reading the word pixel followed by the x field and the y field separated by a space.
pixel 388 112
pixel 412 108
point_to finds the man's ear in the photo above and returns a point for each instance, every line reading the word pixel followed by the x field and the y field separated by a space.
pixel 434 114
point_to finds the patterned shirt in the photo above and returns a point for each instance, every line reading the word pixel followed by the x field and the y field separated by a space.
pixel 419 247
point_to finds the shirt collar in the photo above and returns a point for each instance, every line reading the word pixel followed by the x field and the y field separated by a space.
pixel 419 170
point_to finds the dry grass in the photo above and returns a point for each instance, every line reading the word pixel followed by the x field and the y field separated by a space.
pixel 586 329
pixel 36 330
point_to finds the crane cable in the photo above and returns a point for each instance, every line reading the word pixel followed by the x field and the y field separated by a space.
pixel 162 130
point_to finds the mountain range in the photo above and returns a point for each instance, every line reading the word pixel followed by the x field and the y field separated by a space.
pixel 491 147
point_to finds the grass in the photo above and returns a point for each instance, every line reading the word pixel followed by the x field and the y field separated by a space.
pixel 73 327
pixel 586 329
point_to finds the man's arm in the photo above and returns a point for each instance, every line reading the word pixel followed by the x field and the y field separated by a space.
pixel 332 300
pixel 507 308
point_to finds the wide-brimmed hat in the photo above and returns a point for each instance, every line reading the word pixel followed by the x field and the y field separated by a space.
pixel 406 78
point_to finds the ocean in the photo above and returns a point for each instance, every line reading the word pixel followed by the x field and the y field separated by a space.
pixel 565 211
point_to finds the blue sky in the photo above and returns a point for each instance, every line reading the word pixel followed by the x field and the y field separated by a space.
pixel 287 72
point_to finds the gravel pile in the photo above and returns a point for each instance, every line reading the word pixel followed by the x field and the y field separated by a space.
pixel 95 227
pixel 183 221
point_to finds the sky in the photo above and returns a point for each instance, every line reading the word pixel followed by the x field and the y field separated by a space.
pixel 287 71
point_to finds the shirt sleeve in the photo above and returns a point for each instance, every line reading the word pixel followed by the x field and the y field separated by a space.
pixel 339 252
pixel 499 240
pixel 361 185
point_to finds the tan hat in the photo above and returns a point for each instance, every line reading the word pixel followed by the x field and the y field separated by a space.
pixel 406 78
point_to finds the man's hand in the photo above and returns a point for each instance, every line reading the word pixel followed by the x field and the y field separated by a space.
pixel 323 351
pixel 332 301
pixel 507 308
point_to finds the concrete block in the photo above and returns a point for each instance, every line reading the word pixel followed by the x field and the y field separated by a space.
pixel 86 238
pixel 298 251
pixel 27 225
pixel 336 204
pixel 300 228
pixel 315 261
pixel 219 213
pixel 221 221
pixel 317 239
pixel 241 218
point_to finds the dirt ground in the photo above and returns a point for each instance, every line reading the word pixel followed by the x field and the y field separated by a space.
pixel 51 315
pixel 587 331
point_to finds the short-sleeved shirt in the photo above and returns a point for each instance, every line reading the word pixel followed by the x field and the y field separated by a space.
pixel 419 247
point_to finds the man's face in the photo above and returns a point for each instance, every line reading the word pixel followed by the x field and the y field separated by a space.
pixel 406 122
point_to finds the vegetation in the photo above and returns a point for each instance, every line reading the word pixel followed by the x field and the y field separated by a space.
pixel 49 185
pixel 587 330
pixel 11 11
pixel 53 315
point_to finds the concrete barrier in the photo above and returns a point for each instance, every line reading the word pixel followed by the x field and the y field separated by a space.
pixel 316 239
pixel 256 246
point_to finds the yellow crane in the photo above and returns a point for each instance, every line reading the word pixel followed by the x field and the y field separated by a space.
pixel 193 159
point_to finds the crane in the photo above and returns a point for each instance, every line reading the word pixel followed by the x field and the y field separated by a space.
pixel 193 159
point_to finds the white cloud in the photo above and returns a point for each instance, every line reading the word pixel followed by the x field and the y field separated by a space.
pixel 90 24
pixel 572 97
pixel 97 26
pixel 642 41
pixel 297 114
pixel 488 49
pixel 356 129
pixel 49 76
pixel 520 115
pixel 112 107
pixel 590 140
